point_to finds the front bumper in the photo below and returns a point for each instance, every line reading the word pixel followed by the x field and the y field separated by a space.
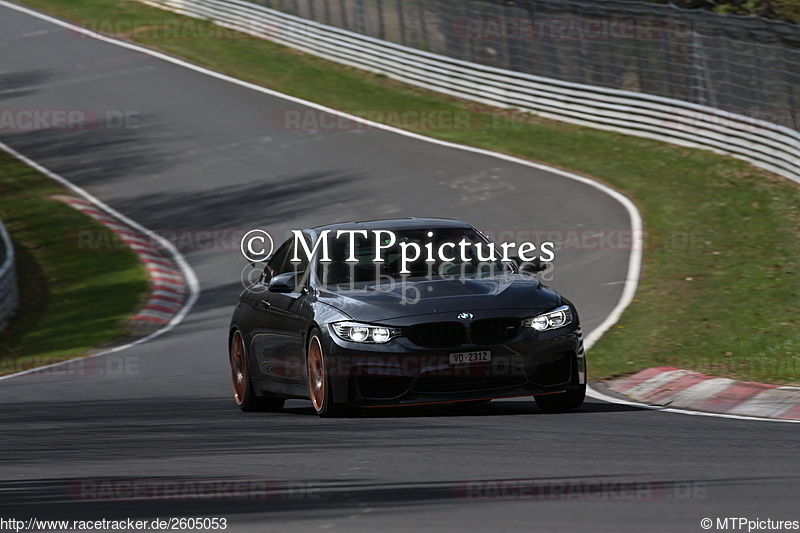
pixel 400 372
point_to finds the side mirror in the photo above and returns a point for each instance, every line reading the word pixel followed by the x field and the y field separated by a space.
pixel 285 282
pixel 530 266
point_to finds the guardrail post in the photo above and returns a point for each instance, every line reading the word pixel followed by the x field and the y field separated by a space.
pixel 9 296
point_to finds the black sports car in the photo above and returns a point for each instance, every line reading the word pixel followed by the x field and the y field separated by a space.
pixel 354 320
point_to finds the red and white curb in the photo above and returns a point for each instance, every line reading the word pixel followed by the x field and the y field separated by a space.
pixel 189 278
pixel 686 389
pixel 168 291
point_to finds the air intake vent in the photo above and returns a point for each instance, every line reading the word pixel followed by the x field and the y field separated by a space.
pixel 494 330
pixel 437 335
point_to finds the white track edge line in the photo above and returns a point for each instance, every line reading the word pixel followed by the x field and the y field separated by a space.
pixel 186 270
pixel 597 395
pixel 634 262
pixel 635 259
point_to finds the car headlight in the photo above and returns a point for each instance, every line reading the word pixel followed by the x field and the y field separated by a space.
pixel 355 332
pixel 557 318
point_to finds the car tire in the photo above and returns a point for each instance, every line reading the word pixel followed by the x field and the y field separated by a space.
pixel 243 392
pixel 565 401
pixel 319 382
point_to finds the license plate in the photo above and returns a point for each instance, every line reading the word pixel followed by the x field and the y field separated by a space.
pixel 464 358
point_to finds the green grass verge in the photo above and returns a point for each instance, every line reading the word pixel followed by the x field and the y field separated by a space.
pixel 719 290
pixel 71 300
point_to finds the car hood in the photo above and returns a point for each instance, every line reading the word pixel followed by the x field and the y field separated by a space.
pixel 375 303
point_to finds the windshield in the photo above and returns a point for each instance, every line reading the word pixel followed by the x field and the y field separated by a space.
pixel 451 253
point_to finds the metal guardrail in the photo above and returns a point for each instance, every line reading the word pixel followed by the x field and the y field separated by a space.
pixel 765 144
pixel 9 297
pixel 740 64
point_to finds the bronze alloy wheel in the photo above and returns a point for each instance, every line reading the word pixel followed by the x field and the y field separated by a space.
pixel 238 369
pixel 243 391
pixel 319 382
pixel 316 374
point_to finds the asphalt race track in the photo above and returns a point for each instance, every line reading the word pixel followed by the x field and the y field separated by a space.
pixel 208 155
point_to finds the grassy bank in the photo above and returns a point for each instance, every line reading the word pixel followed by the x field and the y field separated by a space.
pixel 71 300
pixel 720 289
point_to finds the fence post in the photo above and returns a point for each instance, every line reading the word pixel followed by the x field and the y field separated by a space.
pixel 326 7
pixel 343 7
pixel 381 22
pixel 705 90
pixel 360 17
pixel 423 28
pixel 402 20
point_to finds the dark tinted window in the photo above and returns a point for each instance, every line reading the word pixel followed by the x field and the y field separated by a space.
pixel 280 257
pixel 282 260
